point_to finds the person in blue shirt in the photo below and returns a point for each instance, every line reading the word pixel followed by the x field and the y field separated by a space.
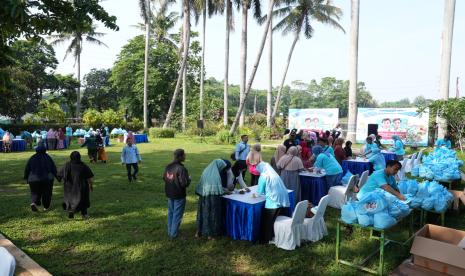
pixel 445 142
pixel 131 158
pixel 398 147
pixel 240 156
pixel 377 159
pixel 271 185
pixel 369 146
pixel 383 179
pixel 27 136
pixel 68 134
pixel 327 162
pixel 323 142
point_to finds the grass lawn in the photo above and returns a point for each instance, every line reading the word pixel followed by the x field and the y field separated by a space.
pixel 126 234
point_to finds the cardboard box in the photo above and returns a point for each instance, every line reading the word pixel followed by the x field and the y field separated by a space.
pixel 408 268
pixel 436 248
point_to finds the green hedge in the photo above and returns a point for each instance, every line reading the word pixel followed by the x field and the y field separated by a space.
pixel 156 132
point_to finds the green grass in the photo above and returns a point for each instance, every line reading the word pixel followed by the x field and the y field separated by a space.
pixel 126 234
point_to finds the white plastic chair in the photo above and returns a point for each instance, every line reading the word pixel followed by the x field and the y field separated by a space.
pixel 418 158
pixel 401 173
pixel 410 163
pixel 288 231
pixel 340 194
pixel 315 228
pixel 363 179
pixel 7 263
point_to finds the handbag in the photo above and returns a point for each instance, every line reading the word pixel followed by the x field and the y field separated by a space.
pixel 233 154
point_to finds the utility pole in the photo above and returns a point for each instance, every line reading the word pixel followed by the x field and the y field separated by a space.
pixel 353 68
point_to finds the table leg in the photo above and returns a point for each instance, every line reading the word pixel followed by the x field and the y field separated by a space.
pixel 381 253
pixel 338 241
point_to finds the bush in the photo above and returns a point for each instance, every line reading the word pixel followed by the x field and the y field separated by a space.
pixel 156 132
pixel 136 124
pixel 112 118
pixel 223 137
pixel 32 119
pixel 210 129
pixel 92 118
pixel 267 132
pixel 257 119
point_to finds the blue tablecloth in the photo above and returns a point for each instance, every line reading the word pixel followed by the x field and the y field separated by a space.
pixel 389 155
pixel 356 167
pixel 16 145
pixel 243 220
pixel 141 138
pixel 313 188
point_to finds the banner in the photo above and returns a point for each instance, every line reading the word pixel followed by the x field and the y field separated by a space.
pixel 410 126
pixel 320 119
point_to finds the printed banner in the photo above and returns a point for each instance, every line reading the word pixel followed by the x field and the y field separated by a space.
pixel 410 126
pixel 320 119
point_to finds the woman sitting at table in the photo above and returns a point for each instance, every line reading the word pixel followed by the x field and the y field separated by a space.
pixel 277 198
pixel 7 141
pixel 210 208
pixel 339 152
pixel 398 147
pixel 280 152
pixel 369 146
pixel 253 158
pixel 290 165
pixel 377 159
pixel 445 142
pixel 327 162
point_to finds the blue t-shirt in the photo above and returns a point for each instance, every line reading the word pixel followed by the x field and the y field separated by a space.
pixel 399 148
pixel 329 150
pixel 242 150
pixel 379 163
pixel 269 203
pixel 69 131
pixel 443 142
pixel 328 163
pixel 376 180
pixel 370 147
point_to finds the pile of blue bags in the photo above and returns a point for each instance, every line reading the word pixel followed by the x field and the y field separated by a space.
pixel 427 195
pixel 378 208
pixel 441 164
pixel 80 132
pixel 118 131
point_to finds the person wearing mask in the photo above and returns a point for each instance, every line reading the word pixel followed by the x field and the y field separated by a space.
pixel 253 158
pixel 290 165
pixel 39 173
pixel 398 147
pixel 177 180
pixel 240 156
pixel 383 179
pixel 327 162
pixel 77 184
pixel 131 158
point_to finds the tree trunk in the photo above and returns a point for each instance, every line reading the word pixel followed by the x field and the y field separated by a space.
pixel 78 94
pixel 184 98
pixel 226 61
pixel 202 66
pixel 146 65
pixel 353 68
pixel 280 91
pixel 447 35
pixel 186 28
pixel 254 69
pixel 243 58
pixel 270 74
pixel 255 104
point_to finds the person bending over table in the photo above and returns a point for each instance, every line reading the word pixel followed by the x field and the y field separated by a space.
pixel 289 166
pixel 323 142
pixel 327 162
pixel 398 147
pixel 377 159
pixel 369 146
pixel 277 198
pixel 383 179
pixel 210 189
pixel 445 142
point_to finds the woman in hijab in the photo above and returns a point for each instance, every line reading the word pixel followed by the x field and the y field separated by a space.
pixel 339 152
pixel 305 151
pixel 327 162
pixel 377 159
pixel 61 139
pixel 277 198
pixel 7 141
pixel 280 152
pixel 290 166
pixel 102 155
pixel 77 183
pixel 39 173
pixel 210 208
pixel 253 158
pixel 51 139
pixel 91 144
pixel 398 148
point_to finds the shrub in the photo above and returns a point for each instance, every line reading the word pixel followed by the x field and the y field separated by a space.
pixel 92 118
pixel 137 124
pixel 267 132
pixel 32 119
pixel 210 129
pixel 112 118
pixel 257 119
pixel 156 132
pixel 223 137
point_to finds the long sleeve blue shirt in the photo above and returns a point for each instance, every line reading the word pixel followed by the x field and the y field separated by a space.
pixel 130 155
pixel 242 150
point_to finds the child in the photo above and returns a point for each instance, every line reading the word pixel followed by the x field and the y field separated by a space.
pixel 131 157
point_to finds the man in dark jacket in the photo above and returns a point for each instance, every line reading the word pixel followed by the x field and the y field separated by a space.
pixel 176 179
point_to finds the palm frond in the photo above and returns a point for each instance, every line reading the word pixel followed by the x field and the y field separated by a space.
pixel 95 41
pixel 257 10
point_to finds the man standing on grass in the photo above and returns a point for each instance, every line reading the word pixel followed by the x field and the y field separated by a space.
pixel 240 156
pixel 176 179
pixel 131 158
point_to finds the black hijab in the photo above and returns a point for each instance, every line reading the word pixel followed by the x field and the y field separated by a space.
pixel 40 166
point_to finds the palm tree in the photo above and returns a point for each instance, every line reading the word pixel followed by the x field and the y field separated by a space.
pixel 296 18
pixel 229 26
pixel 82 32
pixel 254 69
pixel 245 4
pixel 146 14
pixel 270 74
pixel 353 65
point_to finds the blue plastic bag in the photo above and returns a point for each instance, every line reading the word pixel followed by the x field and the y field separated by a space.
pixel 372 203
pixel 365 220
pixel 383 220
pixel 348 214
pixel 346 178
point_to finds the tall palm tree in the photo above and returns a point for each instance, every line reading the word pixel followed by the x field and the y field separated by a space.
pixel 353 67
pixel 245 5
pixel 270 74
pixel 297 17
pixel 229 28
pixel 146 14
pixel 254 69
pixel 82 32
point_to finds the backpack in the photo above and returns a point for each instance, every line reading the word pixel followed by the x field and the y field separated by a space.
pixel 233 154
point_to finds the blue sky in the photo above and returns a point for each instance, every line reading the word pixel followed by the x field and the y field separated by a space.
pixel 399 47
